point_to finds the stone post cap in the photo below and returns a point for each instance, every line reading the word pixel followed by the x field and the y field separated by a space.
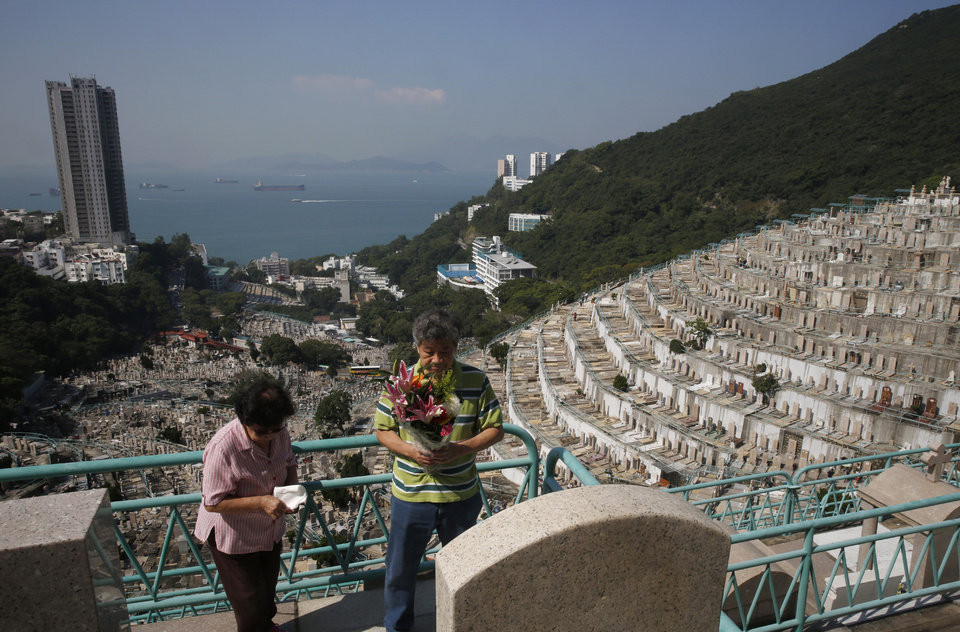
pixel 604 557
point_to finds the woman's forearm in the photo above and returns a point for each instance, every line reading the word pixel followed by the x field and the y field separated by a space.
pixel 236 505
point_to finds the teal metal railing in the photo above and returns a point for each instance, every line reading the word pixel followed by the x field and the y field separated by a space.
pixel 838 576
pixel 818 581
pixel 321 558
pixel 811 576
pixel 822 490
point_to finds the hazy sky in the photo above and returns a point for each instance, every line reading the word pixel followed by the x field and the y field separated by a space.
pixel 202 82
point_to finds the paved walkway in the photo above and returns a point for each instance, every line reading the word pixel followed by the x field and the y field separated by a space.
pixel 356 612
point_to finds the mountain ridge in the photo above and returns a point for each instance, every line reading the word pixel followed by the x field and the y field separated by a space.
pixel 882 117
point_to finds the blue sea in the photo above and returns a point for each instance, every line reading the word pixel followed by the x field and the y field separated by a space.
pixel 341 211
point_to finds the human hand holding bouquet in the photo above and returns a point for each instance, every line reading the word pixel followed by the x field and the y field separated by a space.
pixel 427 406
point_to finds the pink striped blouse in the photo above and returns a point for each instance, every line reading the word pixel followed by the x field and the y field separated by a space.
pixel 234 466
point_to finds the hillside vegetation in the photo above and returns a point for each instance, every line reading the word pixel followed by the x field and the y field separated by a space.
pixel 881 118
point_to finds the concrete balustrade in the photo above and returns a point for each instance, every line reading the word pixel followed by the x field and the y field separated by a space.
pixel 612 557
pixel 58 558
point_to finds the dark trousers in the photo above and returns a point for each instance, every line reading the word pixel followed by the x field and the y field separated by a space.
pixel 411 525
pixel 250 581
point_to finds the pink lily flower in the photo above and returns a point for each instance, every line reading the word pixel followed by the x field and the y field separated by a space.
pixel 404 378
pixel 396 395
pixel 428 410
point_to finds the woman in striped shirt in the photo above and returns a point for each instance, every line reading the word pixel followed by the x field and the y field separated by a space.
pixel 239 518
pixel 433 489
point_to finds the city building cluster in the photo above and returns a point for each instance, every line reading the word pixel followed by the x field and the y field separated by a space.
pixel 344 269
pixel 507 168
pixel 79 263
pixel 98 244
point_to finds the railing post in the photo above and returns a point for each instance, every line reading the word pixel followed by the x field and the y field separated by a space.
pixel 804 584
pixel 790 502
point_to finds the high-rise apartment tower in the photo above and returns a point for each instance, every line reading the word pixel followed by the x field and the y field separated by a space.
pixel 539 161
pixel 86 140
pixel 509 166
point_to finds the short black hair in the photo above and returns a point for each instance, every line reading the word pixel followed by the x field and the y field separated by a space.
pixel 260 399
pixel 436 324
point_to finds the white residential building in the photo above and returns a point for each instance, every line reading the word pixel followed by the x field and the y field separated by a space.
pixel 496 264
pixel 275 265
pixel 91 267
pixel 522 222
pixel 513 183
pixel 507 166
pixel 47 255
pixel 340 263
pixel 539 161
pixel 340 281
pixel 473 208
pixel 53 259
pixel 369 277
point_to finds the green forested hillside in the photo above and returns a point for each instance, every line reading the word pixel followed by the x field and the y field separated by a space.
pixel 883 117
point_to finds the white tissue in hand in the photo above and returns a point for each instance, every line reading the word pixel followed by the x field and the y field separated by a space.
pixel 291 495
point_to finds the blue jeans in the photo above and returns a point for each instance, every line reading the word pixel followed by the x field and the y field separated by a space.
pixel 411 525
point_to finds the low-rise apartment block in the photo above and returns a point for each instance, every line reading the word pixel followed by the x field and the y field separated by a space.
pixel 522 222
pixel 496 264
pixel 77 264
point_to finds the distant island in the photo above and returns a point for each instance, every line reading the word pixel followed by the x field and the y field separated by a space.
pixel 320 162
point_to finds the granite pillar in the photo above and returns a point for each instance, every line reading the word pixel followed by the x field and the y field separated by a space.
pixel 58 560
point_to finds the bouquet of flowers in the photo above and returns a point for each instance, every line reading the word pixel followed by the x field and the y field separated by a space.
pixel 427 406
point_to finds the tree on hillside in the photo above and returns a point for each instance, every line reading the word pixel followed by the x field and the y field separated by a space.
pixel 229 303
pixel 228 326
pixel 318 352
pixel 277 349
pixel 321 301
pixel 312 266
pixel 403 352
pixel 255 274
pixel 499 352
pixel 527 297
pixel 171 434
pixel 700 331
pixel 384 319
pixel 333 412
pixel 765 383
pixel 350 467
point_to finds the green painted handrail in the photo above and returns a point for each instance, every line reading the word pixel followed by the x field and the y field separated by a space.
pixel 146 598
pixel 577 469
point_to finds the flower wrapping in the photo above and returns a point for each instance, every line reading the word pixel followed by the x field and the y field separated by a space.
pixel 427 407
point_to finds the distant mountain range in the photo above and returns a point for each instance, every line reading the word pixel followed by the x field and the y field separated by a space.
pixel 465 153
pixel 459 153
pixel 321 162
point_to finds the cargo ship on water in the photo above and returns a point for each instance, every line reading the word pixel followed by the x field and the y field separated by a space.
pixel 260 186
